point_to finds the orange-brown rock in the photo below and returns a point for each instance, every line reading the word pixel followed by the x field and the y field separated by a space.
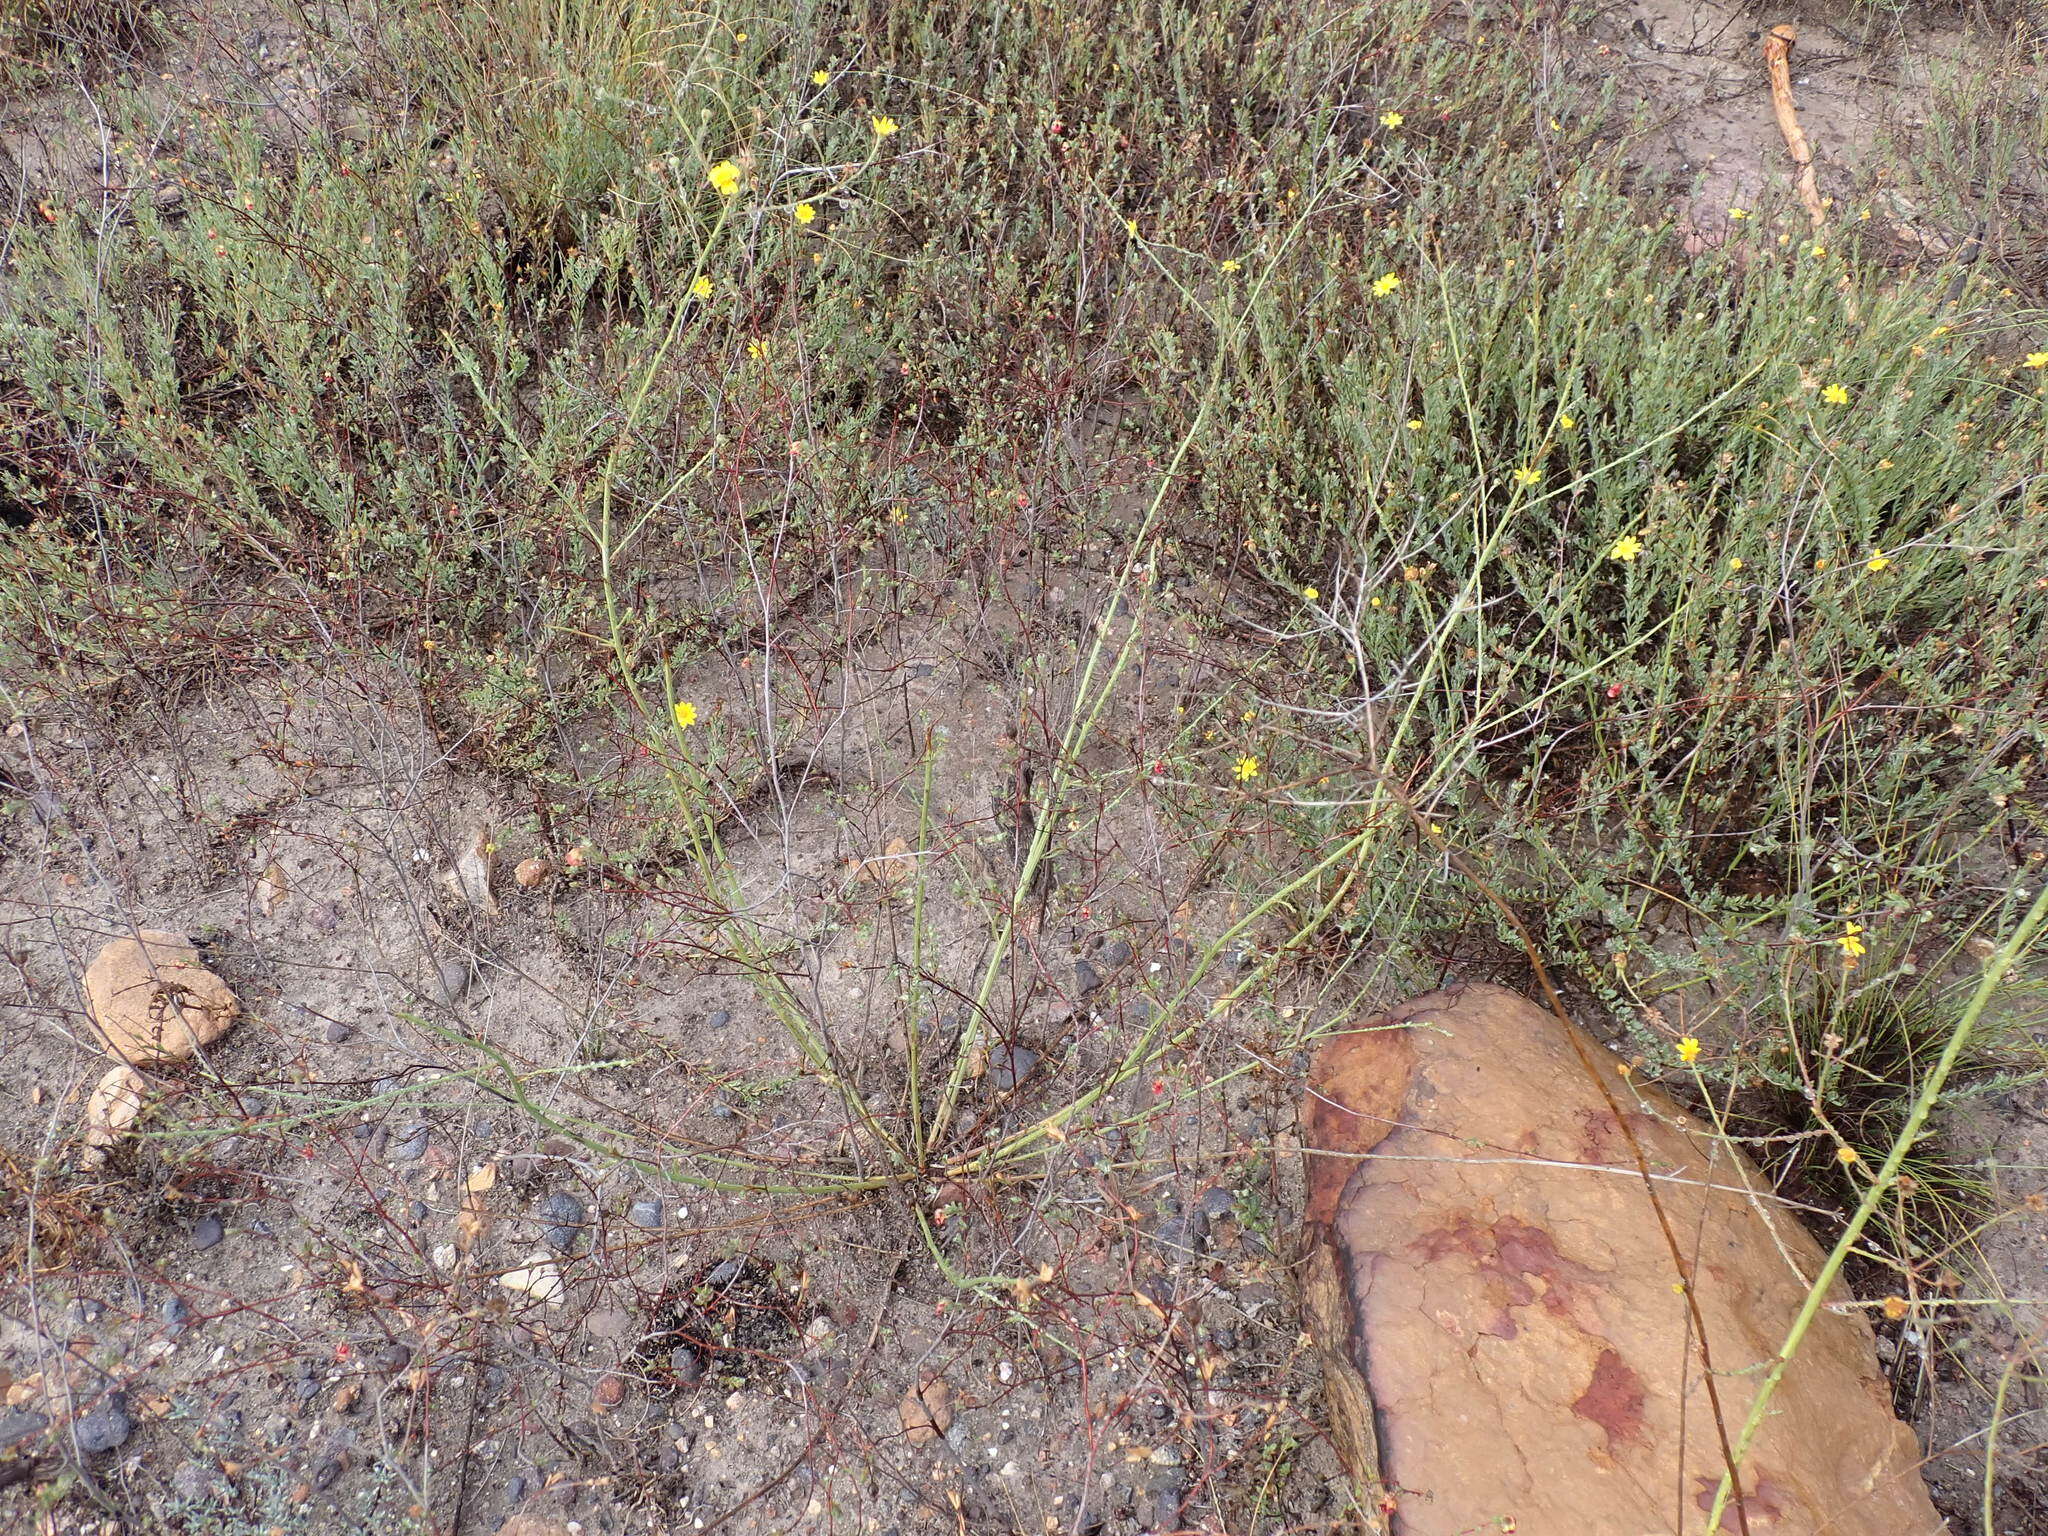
pixel 152 1001
pixel 1505 1340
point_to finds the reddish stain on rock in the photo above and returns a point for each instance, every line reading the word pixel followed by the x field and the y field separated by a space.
pixel 1613 1399
pixel 1522 1262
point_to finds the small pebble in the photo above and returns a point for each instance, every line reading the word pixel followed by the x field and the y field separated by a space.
pixel 453 977
pixel 515 1489
pixel 1009 1065
pixel 175 1314
pixel 719 1018
pixel 18 1426
pixel 325 1471
pixel 206 1232
pixel 412 1145
pixel 106 1427
pixel 725 1273
pixel 1086 978
pixel 686 1365
pixel 339 1033
pixel 1116 954
pixel 645 1213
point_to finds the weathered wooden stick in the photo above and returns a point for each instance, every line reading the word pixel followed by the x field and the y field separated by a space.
pixel 1778 56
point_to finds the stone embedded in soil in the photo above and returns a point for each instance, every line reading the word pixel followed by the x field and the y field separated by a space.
pixel 176 1314
pixel 645 1213
pixel 686 1365
pixel 19 1424
pixel 719 1018
pixel 115 1102
pixel 1117 953
pixel 1009 1065
pixel 106 1427
pixel 153 1001
pixel 200 1482
pixel 926 1411
pixel 1484 1268
pixel 413 1145
pixel 339 1033
pixel 452 977
pixel 1086 978
pixel 207 1232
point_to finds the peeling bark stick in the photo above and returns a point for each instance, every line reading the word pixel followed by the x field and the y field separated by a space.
pixel 1778 57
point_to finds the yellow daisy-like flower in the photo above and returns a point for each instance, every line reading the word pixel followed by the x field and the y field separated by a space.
pixel 1246 769
pixel 805 212
pixel 1688 1050
pixel 1850 943
pixel 1130 226
pixel 1230 265
pixel 1567 420
pixel 883 126
pixel 1835 394
pixel 701 288
pixel 1311 594
pixel 2037 360
pixel 1846 1156
pixel 1738 213
pixel 1735 562
pixel 1819 250
pixel 686 716
pixel 757 349
pixel 821 77
pixel 725 176
pixel 1384 285
pixel 1625 548
pixel 1391 119
pixel 1878 560
pixel 1526 476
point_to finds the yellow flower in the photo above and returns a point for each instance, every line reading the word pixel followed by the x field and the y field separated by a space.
pixel 1884 463
pixel 686 716
pixel 1878 560
pixel 1852 946
pixel 1391 119
pixel 1820 250
pixel 1688 1050
pixel 1377 603
pixel 883 126
pixel 1526 476
pixel 2037 360
pixel 1625 548
pixel 1846 1156
pixel 821 77
pixel 725 176
pixel 1384 285
pixel 757 349
pixel 1246 769
pixel 1834 394
pixel 805 212
pixel 1229 265
pixel 1414 424
pixel 1738 213
pixel 1130 226
pixel 701 289
pixel 1567 420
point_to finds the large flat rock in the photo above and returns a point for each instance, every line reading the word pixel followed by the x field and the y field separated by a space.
pixel 1506 1337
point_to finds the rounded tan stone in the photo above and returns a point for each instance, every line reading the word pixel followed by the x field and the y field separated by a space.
pixel 153 1001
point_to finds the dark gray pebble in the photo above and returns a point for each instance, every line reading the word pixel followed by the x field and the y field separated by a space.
pixel 105 1427
pixel 339 1033
pixel 562 1208
pixel 515 1490
pixel 325 1471
pixel 725 1273
pixel 1118 953
pixel 206 1232
pixel 1009 1065
pixel 686 1365
pixel 413 1146
pixel 175 1313
pixel 561 1239
pixel 645 1213
pixel 719 1019
pixel 17 1426
pixel 1086 978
